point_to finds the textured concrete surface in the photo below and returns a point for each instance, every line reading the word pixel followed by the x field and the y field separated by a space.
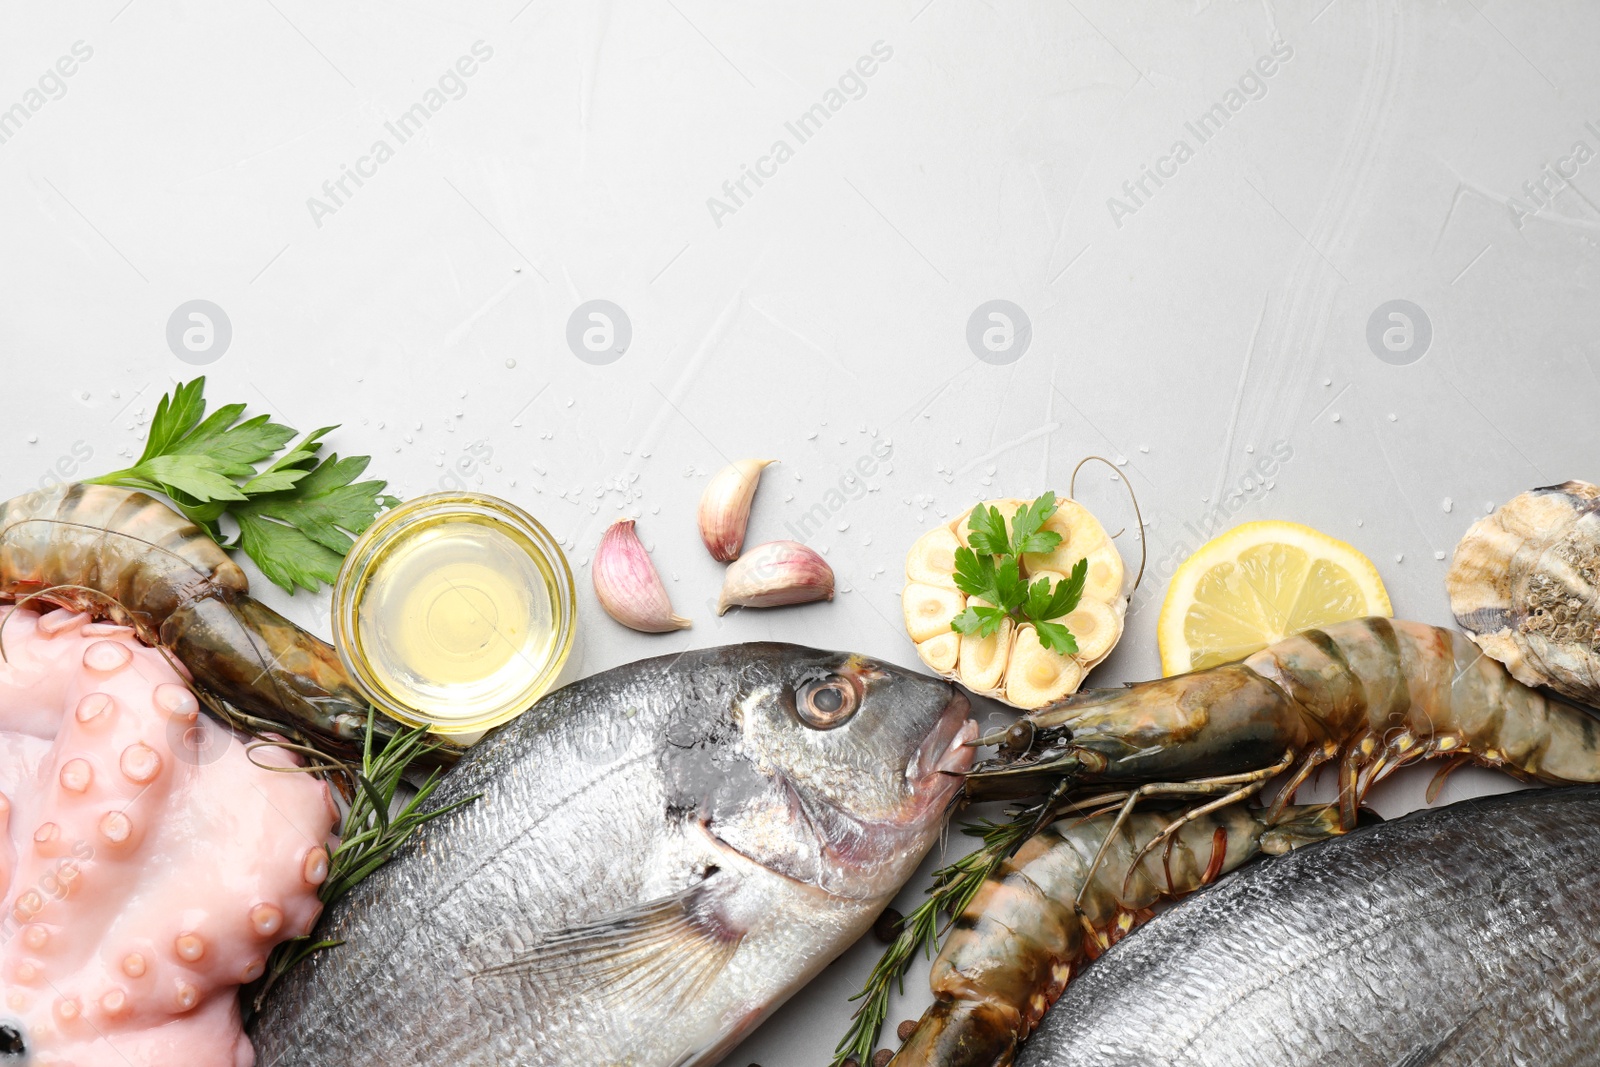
pixel 1198 219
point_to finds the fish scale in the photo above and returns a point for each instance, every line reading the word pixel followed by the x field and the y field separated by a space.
pixel 646 874
pixel 1468 935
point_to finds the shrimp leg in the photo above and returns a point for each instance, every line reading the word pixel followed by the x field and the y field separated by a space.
pixel 1234 786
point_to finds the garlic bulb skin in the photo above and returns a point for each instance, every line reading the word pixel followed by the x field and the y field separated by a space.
pixel 773 574
pixel 628 586
pixel 725 507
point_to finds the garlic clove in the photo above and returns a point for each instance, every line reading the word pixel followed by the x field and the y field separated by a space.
pixel 776 573
pixel 725 507
pixel 628 586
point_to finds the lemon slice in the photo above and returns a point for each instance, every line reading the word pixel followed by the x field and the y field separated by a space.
pixel 1257 584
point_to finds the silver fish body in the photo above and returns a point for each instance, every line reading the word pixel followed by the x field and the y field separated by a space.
pixel 1467 935
pixel 660 855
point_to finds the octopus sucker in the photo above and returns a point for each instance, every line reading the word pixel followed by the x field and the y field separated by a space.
pixel 1525 585
pixel 141 883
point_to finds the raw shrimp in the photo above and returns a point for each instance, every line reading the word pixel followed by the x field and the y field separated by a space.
pixel 1019 941
pixel 1373 694
pixel 126 556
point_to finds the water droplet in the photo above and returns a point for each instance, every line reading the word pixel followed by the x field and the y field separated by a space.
pixel 1335 416
pixel 510 363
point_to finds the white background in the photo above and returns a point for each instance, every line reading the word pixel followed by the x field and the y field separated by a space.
pixel 1226 312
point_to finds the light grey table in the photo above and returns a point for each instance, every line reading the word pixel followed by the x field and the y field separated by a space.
pixel 1200 216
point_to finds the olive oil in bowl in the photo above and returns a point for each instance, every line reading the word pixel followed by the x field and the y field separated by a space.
pixel 455 611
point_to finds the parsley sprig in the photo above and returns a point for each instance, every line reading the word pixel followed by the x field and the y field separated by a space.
pixel 297 516
pixel 991 570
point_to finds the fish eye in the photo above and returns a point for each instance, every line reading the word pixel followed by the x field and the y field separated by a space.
pixel 824 703
pixel 1019 739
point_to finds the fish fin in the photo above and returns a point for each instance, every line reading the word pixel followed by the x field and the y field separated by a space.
pixel 662 953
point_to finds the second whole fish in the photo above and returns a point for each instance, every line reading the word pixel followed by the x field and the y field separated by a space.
pixel 1466 936
pixel 660 855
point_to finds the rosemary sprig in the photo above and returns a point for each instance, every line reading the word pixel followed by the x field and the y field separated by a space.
pixel 370 834
pixel 953 888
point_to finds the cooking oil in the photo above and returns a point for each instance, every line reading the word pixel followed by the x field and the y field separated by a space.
pixel 455 611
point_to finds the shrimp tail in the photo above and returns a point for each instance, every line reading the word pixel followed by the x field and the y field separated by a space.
pixel 972 1033
pixel 242 651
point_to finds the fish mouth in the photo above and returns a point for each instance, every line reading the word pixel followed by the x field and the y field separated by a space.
pixel 944 755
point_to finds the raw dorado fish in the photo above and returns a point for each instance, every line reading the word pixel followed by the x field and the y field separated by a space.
pixel 1467 935
pixel 661 855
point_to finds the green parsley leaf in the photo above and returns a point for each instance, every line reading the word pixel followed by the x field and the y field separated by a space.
pixel 292 466
pixel 1067 594
pixel 197 461
pixel 1038 603
pixel 299 536
pixel 999 584
pixel 1010 585
pixel 1045 603
pixel 296 517
pixel 979 621
pixel 987 532
pixel 1056 638
pixel 1026 526
pixel 975 575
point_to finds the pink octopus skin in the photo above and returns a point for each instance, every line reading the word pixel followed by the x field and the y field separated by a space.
pixel 148 865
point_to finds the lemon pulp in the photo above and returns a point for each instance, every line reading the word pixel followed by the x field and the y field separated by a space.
pixel 1257 584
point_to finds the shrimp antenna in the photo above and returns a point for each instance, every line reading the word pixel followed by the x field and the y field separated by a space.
pixel 1072 491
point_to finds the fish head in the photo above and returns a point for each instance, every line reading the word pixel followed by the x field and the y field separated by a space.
pixel 838 769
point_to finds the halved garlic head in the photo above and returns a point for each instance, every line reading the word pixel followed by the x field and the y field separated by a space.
pixel 1011 664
